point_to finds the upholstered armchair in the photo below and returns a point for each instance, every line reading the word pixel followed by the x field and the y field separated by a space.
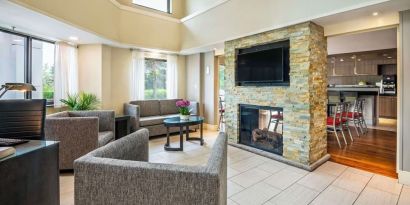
pixel 126 177
pixel 79 132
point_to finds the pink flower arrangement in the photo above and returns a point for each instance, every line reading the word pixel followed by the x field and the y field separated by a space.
pixel 183 107
pixel 183 103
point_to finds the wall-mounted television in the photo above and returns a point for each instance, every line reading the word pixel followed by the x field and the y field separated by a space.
pixel 263 65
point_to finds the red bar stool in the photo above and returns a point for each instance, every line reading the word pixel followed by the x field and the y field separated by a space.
pixel 335 123
pixel 356 116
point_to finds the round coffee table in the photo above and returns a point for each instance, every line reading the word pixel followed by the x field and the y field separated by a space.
pixel 177 122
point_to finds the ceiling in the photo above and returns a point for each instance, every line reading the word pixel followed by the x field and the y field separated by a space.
pixel 365 41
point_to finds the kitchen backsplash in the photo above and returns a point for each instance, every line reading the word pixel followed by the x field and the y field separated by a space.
pixel 354 80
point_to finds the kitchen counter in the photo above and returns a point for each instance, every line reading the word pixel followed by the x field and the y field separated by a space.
pixel 354 89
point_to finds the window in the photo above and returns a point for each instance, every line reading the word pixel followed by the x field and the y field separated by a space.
pixel 160 5
pixel 17 66
pixel 155 79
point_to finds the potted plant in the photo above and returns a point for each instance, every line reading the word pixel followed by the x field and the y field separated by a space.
pixel 183 106
pixel 82 101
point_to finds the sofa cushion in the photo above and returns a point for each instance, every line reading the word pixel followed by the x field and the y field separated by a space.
pixel 105 137
pixel 148 107
pixel 152 120
pixel 168 106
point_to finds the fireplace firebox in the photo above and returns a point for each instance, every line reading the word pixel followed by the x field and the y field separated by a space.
pixel 261 127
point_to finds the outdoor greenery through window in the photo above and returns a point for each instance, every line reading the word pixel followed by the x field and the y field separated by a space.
pixel 155 79
pixel 43 70
pixel 160 5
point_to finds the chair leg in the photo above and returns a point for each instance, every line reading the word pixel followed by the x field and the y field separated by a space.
pixel 365 125
pixel 337 138
pixel 220 121
pixel 343 134
pixel 348 130
pixel 276 126
pixel 355 127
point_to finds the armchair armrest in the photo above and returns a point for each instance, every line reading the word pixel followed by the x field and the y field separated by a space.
pixel 133 182
pixel 77 137
pixel 134 112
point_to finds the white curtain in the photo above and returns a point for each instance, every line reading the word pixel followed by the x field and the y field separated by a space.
pixel 172 77
pixel 137 76
pixel 65 72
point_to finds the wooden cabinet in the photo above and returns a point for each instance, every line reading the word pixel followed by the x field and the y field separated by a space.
pixel 388 106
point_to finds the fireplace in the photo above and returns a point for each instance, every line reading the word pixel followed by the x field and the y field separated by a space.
pixel 261 127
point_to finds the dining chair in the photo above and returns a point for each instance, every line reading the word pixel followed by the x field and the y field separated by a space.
pixel 335 123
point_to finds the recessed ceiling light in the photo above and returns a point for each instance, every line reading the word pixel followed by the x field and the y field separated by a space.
pixel 375 13
pixel 342 60
pixel 389 57
pixel 359 59
pixel 73 38
pixel 353 57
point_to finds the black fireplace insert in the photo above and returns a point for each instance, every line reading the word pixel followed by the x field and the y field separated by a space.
pixel 261 127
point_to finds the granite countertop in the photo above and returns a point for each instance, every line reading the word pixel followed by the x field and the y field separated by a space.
pixel 354 88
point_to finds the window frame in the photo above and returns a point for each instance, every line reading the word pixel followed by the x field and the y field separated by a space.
pixel 28 61
pixel 169 7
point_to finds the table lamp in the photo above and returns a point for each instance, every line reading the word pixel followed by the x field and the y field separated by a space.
pixel 24 87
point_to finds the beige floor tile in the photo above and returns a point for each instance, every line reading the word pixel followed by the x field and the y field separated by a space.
pixel 359 171
pixel 256 194
pixel 294 195
pixel 333 195
pixel 372 196
pixel 283 179
pixel 230 202
pixel 232 172
pixel 352 181
pixel 404 196
pixel 250 177
pixel 247 164
pixel 332 168
pixel 386 184
pixel 317 181
pixel 233 188
pixel 297 170
pixel 272 166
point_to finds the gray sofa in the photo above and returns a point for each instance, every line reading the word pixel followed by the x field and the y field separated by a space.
pixel 79 133
pixel 150 114
pixel 119 173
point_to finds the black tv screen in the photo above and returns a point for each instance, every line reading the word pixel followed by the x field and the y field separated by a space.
pixel 263 65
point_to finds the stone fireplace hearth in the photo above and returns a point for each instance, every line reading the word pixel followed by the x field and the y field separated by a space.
pixel 303 102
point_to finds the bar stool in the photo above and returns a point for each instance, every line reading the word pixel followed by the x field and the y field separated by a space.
pixel 276 118
pixel 356 116
pixel 345 118
pixel 335 123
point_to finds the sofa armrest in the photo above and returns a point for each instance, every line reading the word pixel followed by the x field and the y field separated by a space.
pixel 134 112
pixel 77 137
pixel 194 108
pixel 133 182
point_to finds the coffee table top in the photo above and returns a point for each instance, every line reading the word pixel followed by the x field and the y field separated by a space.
pixel 176 121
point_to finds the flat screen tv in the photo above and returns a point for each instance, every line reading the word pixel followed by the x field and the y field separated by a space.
pixel 263 65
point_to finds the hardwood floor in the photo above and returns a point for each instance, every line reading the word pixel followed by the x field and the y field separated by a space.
pixel 374 152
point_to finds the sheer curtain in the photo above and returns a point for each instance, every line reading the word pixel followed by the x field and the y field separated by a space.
pixel 137 76
pixel 172 76
pixel 65 72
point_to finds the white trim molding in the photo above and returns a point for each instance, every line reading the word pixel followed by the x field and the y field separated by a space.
pixel 143 12
pixel 404 178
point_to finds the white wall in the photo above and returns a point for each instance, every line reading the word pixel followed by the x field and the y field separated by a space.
pixel 90 69
pixel 208 87
pixel 237 18
pixel 192 6
pixel 365 41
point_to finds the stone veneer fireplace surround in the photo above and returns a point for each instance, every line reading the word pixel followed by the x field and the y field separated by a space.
pixel 304 101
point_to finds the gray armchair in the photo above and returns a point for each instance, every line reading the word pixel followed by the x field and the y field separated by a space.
pixel 79 132
pixel 125 177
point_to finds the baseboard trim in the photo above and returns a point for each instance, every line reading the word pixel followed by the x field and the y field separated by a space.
pixel 404 177
pixel 309 168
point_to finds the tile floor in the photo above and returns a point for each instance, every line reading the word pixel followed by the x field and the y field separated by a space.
pixel 253 179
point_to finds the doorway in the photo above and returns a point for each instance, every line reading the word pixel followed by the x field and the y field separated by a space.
pixel 362 67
